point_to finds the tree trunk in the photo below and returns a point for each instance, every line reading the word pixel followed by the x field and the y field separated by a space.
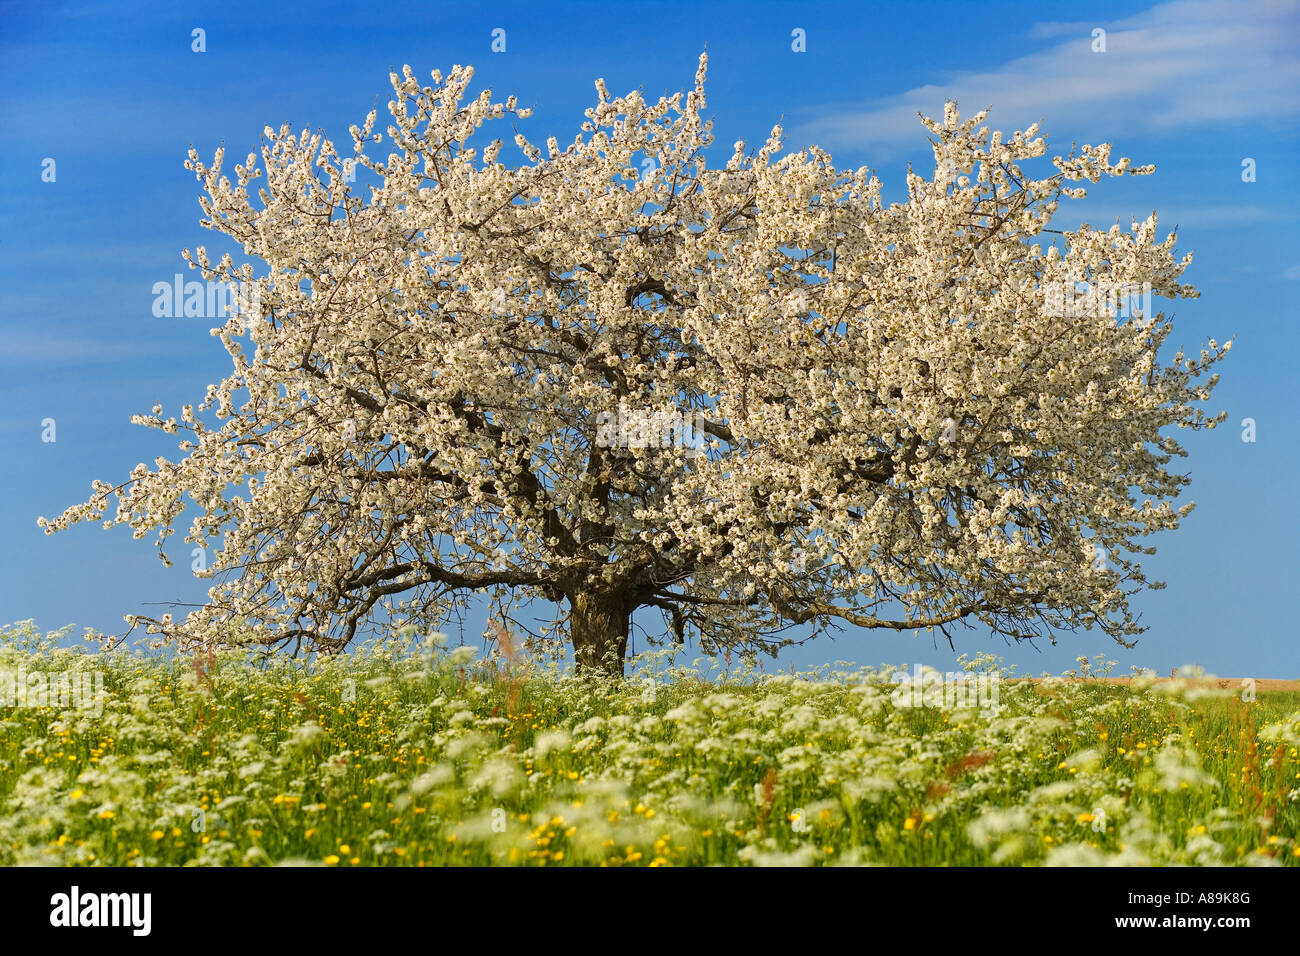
pixel 598 626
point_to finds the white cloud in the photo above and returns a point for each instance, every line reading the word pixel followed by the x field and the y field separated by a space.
pixel 1292 273
pixel 44 350
pixel 1177 65
pixel 1103 212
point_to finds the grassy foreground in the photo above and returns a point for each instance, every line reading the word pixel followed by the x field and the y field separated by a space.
pixel 412 755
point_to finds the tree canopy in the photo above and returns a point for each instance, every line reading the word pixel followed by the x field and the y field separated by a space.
pixel 841 411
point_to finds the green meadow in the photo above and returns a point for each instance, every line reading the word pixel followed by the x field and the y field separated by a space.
pixel 409 753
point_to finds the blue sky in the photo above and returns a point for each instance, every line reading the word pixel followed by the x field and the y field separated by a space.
pixel 114 95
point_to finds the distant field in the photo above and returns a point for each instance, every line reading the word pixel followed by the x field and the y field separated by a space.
pixel 419 756
pixel 1262 685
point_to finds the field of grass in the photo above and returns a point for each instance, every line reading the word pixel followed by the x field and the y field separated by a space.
pixel 411 754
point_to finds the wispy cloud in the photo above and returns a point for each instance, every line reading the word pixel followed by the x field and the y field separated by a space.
pixel 1175 66
pixel 1104 212
pixel 47 350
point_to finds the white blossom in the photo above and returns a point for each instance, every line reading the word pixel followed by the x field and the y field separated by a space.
pixel 899 433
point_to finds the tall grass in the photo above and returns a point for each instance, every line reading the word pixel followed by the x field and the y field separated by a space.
pixel 411 754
